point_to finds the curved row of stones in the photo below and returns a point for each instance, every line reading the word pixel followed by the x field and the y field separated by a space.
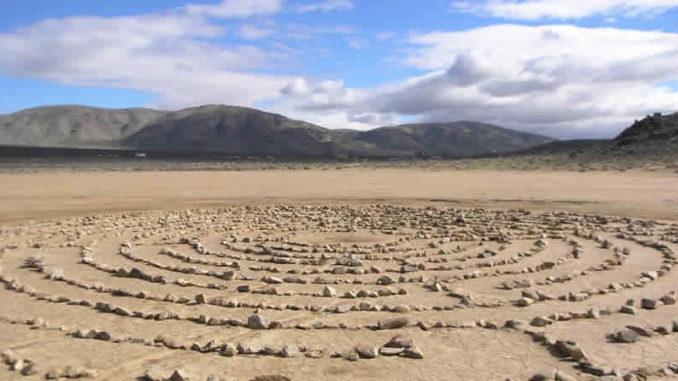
pixel 418 241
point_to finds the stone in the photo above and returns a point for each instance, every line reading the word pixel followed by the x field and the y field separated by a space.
pixel 641 330
pixel 628 310
pixel 413 353
pixel 668 299
pixel 201 298
pixel 271 350
pixel 524 302
pixel 257 321
pixel 366 351
pixel 399 341
pixel 393 323
pixel 228 350
pixel 342 308
pixel 289 351
pixel 329 292
pixel 178 375
pixel 625 336
pixel 385 280
pixel 28 369
pixel 389 351
pixel 541 321
pixel 649 304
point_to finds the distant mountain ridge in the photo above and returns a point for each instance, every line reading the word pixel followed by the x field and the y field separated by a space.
pixel 245 131
pixel 73 126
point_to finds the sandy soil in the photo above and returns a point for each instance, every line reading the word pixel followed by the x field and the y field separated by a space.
pixel 222 275
pixel 638 194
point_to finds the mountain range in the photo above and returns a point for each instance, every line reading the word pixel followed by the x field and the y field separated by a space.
pixel 241 131
pixel 245 131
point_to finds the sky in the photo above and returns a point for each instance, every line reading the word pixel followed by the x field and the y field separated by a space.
pixel 567 69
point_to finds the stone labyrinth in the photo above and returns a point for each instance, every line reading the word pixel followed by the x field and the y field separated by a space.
pixel 337 292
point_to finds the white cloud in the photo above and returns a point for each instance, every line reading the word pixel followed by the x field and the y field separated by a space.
pixel 560 80
pixel 168 55
pixel 326 6
pixel 563 9
pixel 235 8
pixel 251 32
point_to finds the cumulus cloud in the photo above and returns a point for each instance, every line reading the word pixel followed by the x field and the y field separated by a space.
pixel 164 54
pixel 564 81
pixel 326 6
pixel 561 80
pixel 559 9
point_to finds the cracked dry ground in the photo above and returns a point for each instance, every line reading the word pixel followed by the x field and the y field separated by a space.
pixel 320 292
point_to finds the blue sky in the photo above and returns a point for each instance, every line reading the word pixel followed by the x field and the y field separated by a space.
pixel 547 66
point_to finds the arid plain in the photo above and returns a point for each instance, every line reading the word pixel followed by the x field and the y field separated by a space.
pixel 363 273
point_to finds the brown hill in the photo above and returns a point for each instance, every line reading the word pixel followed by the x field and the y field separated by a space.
pixel 73 126
pixel 249 132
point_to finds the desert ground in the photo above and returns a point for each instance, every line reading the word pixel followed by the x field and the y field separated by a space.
pixel 360 274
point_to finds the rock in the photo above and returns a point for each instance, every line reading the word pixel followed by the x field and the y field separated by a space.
pixel 201 298
pixel 243 288
pixel 389 351
pixel 366 351
pixel 524 302
pixel 408 268
pixel 399 341
pixel 342 308
pixel 271 350
pixel 642 331
pixel 541 321
pixel 257 321
pixel 401 308
pixel 289 351
pixel 571 349
pixel 413 353
pixel 385 280
pixel 178 375
pixel 668 299
pixel 649 304
pixel 628 310
pixel 228 350
pixel 625 336
pixel 516 324
pixel 248 349
pixel 393 323
pixel 28 369
pixel 329 292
